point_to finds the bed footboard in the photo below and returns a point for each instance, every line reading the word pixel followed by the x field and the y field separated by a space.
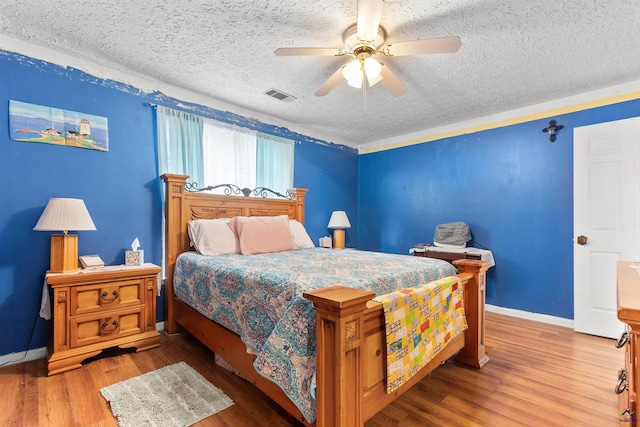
pixel 351 350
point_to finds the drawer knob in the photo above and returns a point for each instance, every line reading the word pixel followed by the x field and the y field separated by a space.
pixel 622 340
pixel 105 325
pixel 622 384
pixel 105 295
pixel 622 375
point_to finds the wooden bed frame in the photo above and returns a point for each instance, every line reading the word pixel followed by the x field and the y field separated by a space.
pixel 350 346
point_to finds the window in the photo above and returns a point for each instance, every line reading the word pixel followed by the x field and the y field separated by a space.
pixel 213 153
pixel 229 155
pixel 234 155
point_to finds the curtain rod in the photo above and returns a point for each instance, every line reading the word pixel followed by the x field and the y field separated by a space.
pixel 242 128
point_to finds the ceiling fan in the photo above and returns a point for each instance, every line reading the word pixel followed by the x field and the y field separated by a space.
pixel 364 41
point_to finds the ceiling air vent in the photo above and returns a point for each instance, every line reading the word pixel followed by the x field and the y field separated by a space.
pixel 278 94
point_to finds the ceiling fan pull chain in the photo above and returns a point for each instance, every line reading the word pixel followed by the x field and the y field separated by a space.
pixel 364 90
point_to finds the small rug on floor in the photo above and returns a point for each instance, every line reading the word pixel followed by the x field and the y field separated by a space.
pixel 175 395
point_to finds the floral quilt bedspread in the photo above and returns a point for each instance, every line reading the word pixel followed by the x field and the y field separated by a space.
pixel 259 297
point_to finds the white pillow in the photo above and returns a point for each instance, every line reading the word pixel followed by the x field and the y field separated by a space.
pixel 213 237
pixel 300 236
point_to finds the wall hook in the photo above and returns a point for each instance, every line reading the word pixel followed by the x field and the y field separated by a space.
pixel 552 130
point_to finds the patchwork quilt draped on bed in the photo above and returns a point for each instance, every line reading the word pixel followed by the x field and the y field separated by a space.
pixel 259 297
pixel 419 322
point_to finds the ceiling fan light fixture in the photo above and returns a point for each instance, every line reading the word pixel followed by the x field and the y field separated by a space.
pixel 356 83
pixel 373 80
pixel 372 68
pixel 352 72
pixel 355 71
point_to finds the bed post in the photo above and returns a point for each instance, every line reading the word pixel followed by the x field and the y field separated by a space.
pixel 474 299
pixel 300 196
pixel 174 191
pixel 339 354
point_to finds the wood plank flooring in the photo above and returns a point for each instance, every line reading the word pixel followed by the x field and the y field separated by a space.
pixel 538 375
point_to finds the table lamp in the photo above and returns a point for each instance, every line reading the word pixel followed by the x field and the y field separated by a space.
pixel 64 215
pixel 338 223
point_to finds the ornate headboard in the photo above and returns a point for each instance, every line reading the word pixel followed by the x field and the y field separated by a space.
pixel 182 206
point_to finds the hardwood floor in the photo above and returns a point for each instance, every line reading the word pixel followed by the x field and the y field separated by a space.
pixel 538 375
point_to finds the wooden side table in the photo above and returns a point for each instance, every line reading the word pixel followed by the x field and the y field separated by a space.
pixel 112 306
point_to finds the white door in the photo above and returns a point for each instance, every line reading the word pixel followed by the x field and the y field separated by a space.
pixel 606 214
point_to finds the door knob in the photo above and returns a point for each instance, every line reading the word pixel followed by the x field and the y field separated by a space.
pixel 582 240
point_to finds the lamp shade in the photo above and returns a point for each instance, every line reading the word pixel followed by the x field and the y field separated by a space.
pixel 65 215
pixel 339 220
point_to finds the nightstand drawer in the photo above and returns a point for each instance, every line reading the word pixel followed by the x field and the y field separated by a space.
pixel 106 296
pixel 86 330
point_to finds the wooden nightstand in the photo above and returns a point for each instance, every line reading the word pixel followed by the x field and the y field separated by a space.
pixel 113 306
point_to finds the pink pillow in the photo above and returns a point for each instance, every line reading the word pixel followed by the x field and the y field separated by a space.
pixel 262 234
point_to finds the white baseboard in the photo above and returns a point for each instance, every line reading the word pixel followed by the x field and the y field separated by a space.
pixel 39 353
pixel 544 318
pixel 23 356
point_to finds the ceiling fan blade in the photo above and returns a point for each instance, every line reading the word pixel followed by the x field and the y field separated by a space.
pixel 391 82
pixel 331 82
pixel 302 51
pixel 369 14
pixel 438 45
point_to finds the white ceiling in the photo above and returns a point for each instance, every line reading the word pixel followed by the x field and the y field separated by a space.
pixel 513 54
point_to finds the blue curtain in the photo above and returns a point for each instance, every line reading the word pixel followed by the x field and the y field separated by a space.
pixel 179 136
pixel 274 162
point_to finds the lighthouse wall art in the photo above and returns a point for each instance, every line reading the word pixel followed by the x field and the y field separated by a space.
pixel 49 125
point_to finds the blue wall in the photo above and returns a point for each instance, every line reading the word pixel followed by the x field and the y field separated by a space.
pixel 119 187
pixel 511 185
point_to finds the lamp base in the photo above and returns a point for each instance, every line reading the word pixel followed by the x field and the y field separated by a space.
pixel 64 253
pixel 338 239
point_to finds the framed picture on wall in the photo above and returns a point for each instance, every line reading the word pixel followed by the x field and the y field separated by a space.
pixel 49 125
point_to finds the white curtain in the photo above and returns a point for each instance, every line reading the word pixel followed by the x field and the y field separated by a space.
pixel 229 155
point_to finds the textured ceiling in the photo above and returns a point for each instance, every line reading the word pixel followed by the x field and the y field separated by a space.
pixel 513 54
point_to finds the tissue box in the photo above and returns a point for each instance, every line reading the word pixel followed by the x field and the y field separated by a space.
pixel 134 257
pixel 325 242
